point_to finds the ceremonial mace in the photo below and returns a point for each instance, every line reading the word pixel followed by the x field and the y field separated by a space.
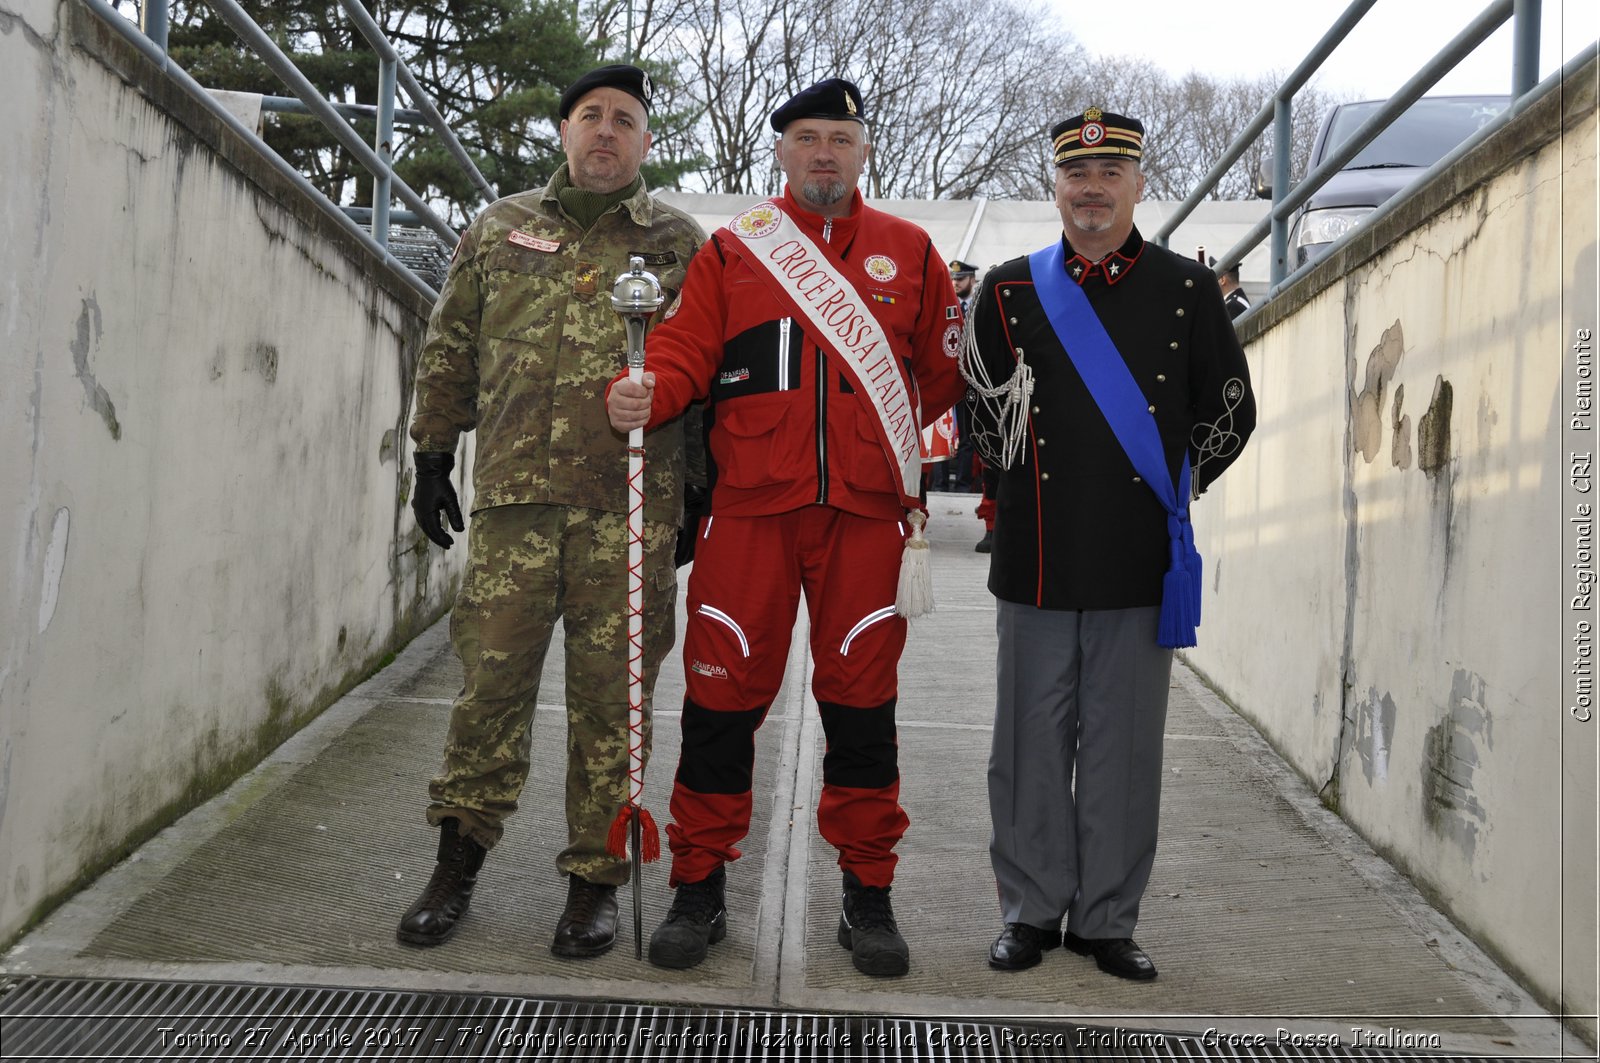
pixel 635 296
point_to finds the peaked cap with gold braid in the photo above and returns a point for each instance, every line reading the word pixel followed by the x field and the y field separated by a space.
pixel 1097 134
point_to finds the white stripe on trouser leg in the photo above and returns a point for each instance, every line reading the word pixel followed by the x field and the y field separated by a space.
pixel 718 614
pixel 865 622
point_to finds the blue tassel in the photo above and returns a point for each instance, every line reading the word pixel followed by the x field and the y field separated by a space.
pixel 1196 567
pixel 1177 629
pixel 1180 590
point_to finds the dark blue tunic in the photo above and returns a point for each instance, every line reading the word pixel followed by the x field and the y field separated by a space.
pixel 1075 527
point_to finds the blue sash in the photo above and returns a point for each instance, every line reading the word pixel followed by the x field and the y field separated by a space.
pixel 1127 411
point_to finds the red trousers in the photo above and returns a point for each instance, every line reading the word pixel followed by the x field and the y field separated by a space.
pixel 744 591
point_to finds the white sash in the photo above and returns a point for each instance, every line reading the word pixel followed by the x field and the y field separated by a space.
pixel 818 288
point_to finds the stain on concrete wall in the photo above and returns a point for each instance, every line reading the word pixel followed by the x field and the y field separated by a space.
pixel 1433 430
pixel 99 400
pixel 1400 448
pixel 1375 734
pixel 55 563
pixel 1451 758
pixel 5 765
pixel 263 358
pixel 1368 405
pixel 207 460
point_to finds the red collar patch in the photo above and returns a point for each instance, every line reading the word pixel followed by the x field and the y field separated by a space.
pixel 1111 269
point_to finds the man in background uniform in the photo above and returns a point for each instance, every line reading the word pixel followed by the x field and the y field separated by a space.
pixel 1139 388
pixel 963 275
pixel 1233 296
pixel 520 347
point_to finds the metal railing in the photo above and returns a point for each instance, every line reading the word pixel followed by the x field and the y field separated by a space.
pixel 1286 199
pixel 150 37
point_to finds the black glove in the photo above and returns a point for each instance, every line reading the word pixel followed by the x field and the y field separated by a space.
pixel 435 492
pixel 696 503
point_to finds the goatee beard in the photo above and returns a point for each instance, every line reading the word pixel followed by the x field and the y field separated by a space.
pixel 1092 226
pixel 824 193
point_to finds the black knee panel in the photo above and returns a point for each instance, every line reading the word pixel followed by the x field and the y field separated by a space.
pixel 861 745
pixel 719 749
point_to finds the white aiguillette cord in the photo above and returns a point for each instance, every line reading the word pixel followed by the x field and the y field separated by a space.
pixel 1003 405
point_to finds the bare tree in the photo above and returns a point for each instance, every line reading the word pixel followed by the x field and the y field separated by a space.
pixel 721 57
pixel 977 120
pixel 955 109
pixel 1221 113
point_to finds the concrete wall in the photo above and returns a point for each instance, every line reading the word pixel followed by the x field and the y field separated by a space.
pixel 203 462
pixel 1386 599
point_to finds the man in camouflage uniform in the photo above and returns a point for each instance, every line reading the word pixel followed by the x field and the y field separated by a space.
pixel 520 347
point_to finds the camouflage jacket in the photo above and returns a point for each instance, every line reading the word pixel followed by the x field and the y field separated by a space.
pixel 523 342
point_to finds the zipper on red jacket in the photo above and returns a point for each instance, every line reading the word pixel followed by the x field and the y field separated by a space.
pixel 783 353
pixel 821 426
pixel 822 401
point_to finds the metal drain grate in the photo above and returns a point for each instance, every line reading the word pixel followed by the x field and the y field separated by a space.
pixel 105 1020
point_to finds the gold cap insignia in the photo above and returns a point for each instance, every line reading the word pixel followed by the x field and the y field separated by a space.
pixel 1092 114
pixel 849 103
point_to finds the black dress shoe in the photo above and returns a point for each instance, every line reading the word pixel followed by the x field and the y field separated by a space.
pixel 433 919
pixel 588 925
pixel 1119 956
pixel 1021 946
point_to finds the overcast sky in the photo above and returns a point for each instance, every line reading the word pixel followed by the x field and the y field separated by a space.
pixel 1389 45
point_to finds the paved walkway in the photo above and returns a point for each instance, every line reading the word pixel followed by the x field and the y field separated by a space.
pixel 1263 911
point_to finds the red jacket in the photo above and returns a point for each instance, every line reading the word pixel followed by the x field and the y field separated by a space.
pixel 785 428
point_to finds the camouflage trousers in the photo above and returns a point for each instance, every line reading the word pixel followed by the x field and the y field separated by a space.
pixel 527 567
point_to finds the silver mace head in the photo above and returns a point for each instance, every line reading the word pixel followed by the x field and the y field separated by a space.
pixel 636 292
pixel 636 295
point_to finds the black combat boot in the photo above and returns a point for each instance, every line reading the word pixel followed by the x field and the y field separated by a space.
pixel 588 925
pixel 433 918
pixel 696 921
pixel 867 928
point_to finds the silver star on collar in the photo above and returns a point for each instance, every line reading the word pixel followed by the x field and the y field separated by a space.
pixel 1077 271
pixel 1113 269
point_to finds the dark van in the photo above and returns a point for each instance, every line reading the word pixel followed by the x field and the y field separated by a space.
pixel 1422 135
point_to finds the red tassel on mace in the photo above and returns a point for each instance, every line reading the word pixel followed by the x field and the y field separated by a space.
pixel 649 835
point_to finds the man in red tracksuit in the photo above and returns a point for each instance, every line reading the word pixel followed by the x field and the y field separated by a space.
pixel 824 333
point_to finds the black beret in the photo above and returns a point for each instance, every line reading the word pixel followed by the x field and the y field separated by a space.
pixel 835 99
pixel 1097 134
pixel 959 268
pixel 629 79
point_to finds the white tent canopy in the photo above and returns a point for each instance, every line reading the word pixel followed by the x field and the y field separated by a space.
pixel 987 232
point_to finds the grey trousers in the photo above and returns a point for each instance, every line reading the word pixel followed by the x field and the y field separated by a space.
pixel 1082 698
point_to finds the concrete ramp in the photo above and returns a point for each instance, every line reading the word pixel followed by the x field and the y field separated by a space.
pixel 1264 910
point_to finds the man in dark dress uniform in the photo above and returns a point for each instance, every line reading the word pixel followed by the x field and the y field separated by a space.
pixel 1093 563
pixel 1233 296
